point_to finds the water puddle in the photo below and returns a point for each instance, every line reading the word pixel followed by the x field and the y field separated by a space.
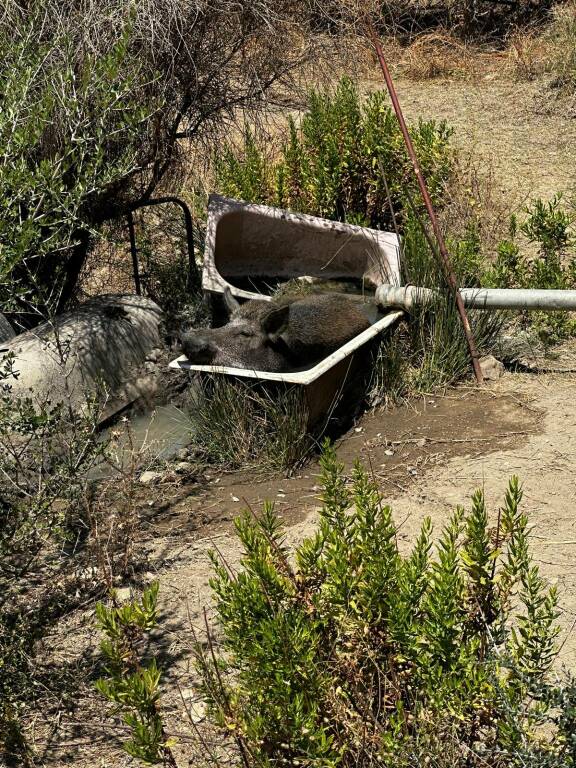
pixel 161 433
pixel 145 438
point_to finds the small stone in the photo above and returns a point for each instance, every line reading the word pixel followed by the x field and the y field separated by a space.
pixel 123 594
pixel 235 499
pixel 88 574
pixel 182 454
pixel 421 443
pixel 196 709
pixel 491 368
pixel 184 468
pixel 149 576
pixel 150 478
pixel 154 355
pixel 389 452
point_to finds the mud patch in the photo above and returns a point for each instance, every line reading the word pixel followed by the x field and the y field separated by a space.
pixel 398 446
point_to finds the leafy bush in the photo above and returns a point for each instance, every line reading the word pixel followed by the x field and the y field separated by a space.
pixel 94 102
pixel 130 683
pixel 67 135
pixel 352 653
pixel 164 259
pixel 337 162
pixel 550 227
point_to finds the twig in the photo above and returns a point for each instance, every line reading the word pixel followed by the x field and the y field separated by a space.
pixel 414 441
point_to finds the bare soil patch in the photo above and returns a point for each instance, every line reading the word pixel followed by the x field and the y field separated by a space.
pixel 397 445
pixel 516 128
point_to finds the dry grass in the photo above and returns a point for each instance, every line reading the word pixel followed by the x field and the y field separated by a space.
pixel 442 55
pixel 551 51
pixel 474 198
pixel 528 55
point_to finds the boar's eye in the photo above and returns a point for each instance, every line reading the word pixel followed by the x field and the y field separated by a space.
pixel 246 333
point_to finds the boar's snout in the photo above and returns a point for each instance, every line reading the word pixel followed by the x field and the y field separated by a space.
pixel 198 348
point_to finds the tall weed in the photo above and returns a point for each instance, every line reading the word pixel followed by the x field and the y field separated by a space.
pixel 431 351
pixel 238 423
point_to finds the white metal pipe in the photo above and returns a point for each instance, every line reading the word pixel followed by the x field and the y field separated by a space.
pixel 547 300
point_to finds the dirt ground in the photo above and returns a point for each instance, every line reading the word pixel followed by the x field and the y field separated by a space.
pixel 516 128
pixel 428 457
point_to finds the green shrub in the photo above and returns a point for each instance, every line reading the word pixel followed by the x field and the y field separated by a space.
pixel 130 683
pixel 353 653
pixel 164 259
pixel 334 163
pixel 68 133
pixel 94 103
pixel 550 226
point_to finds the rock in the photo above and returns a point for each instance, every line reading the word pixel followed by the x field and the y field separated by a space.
pixel 149 576
pixel 182 454
pixel 491 368
pixel 196 709
pixel 6 330
pixel 520 344
pixel 123 594
pixel 184 468
pixel 88 574
pixel 150 478
pixel 154 355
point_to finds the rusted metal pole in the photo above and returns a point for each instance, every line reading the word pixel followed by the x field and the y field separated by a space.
pixel 450 277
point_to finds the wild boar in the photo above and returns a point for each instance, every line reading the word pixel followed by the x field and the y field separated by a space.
pixel 285 334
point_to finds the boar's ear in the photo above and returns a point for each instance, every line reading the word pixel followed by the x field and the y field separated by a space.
pixel 231 304
pixel 275 320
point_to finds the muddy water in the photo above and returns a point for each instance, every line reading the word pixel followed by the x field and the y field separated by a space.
pixel 144 438
pixel 161 432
